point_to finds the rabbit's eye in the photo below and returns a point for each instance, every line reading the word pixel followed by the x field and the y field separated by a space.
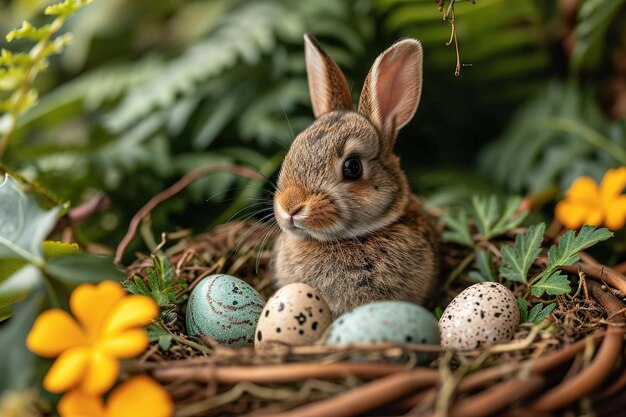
pixel 352 169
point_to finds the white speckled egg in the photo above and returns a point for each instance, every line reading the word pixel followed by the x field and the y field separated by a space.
pixel 386 321
pixel 481 315
pixel 295 315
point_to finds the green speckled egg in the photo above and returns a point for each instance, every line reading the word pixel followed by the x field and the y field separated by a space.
pixel 224 308
pixel 386 321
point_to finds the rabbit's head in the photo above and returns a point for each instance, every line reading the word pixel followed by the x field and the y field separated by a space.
pixel 340 178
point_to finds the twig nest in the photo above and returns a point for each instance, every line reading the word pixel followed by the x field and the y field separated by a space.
pixel 481 315
pixel 386 321
pixel 295 315
pixel 225 308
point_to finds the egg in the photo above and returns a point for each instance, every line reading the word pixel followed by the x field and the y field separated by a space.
pixel 481 315
pixel 295 315
pixel 386 321
pixel 225 308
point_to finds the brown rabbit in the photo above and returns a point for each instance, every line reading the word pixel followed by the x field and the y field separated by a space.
pixel 351 228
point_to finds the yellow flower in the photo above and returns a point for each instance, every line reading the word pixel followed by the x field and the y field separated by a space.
pixel 138 397
pixel 108 329
pixel 587 204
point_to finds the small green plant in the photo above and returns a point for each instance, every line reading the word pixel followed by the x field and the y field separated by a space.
pixel 167 290
pixel 19 70
pixel 536 315
pixel 490 216
pixel 517 259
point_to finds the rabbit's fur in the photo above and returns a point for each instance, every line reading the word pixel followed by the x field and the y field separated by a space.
pixel 355 240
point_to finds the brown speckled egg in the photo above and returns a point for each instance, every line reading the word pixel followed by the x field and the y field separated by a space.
pixel 481 315
pixel 295 315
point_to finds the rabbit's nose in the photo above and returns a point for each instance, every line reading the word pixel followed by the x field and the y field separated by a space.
pixel 295 210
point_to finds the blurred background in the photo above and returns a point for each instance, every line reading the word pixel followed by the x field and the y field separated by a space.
pixel 152 89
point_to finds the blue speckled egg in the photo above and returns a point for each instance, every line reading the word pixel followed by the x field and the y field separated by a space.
pixel 386 321
pixel 224 308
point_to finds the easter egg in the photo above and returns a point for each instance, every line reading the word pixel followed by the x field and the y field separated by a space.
pixel 481 315
pixel 386 321
pixel 295 315
pixel 225 308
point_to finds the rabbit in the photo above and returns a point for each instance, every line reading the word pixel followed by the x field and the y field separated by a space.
pixel 349 225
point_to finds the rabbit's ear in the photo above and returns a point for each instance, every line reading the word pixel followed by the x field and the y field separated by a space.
pixel 393 87
pixel 327 84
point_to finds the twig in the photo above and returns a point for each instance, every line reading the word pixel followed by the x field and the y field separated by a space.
pixel 173 190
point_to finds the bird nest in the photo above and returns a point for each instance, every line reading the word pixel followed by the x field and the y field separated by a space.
pixel 573 362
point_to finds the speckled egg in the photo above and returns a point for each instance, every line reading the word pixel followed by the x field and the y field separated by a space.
pixel 295 315
pixel 481 315
pixel 225 308
pixel 386 321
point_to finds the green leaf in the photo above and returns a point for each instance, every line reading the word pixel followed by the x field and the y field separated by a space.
pixel 555 284
pixel 23 225
pixel 22 281
pixel 566 252
pixel 28 31
pixel 492 220
pixel 539 313
pixel 156 332
pixel 484 272
pixel 75 269
pixel 16 362
pixel 163 287
pixel 459 228
pixel 522 305
pixel 54 249
pixel 66 8
pixel 518 259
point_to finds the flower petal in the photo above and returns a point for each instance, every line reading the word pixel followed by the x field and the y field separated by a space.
pixel 139 396
pixel 613 183
pixel 53 332
pixel 584 189
pixel 77 404
pixel 127 344
pixel 129 312
pixel 91 303
pixel 67 371
pixel 101 374
pixel 574 215
pixel 616 214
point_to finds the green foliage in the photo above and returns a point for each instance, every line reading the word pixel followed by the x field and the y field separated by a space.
pixel 26 261
pixel 566 252
pixel 490 216
pixel 484 267
pixel 555 284
pixel 596 17
pixel 555 138
pixel 517 260
pixel 163 286
pixel 18 71
pixel 537 314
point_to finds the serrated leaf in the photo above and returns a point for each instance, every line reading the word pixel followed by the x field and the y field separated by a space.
pixel 76 269
pixel 493 220
pixel 570 244
pixel 23 224
pixel 518 259
pixel 555 284
pixel 28 31
pixel 66 8
pixel 484 265
pixel 485 212
pixel 459 228
pixel 538 313
pixel 522 306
